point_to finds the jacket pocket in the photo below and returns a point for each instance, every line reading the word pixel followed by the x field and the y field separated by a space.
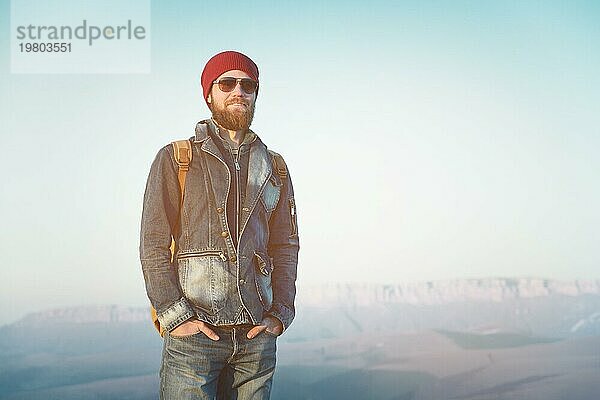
pixel 293 217
pixel 270 194
pixel 262 274
pixel 204 279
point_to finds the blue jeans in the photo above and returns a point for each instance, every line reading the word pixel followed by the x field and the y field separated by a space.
pixel 234 367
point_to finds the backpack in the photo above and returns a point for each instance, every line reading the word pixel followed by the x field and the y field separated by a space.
pixel 182 150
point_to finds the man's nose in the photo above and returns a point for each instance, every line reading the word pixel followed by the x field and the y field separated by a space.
pixel 237 90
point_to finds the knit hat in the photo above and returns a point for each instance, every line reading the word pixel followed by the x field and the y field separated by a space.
pixel 223 62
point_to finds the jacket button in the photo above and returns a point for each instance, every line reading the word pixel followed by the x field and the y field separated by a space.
pixel 242 281
pixel 233 259
pixel 220 210
pixel 245 209
pixel 224 234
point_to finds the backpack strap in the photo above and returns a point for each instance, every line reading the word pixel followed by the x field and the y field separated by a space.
pixel 279 164
pixel 182 150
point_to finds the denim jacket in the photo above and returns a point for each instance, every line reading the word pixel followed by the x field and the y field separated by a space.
pixel 208 277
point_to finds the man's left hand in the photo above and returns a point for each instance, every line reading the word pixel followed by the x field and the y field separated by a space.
pixel 271 324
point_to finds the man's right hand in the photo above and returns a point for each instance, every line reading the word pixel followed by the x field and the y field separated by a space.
pixel 191 327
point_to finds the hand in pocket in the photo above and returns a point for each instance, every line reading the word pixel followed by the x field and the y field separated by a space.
pixel 191 327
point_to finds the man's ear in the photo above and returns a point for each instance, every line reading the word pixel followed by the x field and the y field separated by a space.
pixel 208 99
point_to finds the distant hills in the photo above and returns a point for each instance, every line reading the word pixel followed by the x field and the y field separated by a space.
pixel 532 306
pixel 463 339
pixel 444 292
pixel 528 305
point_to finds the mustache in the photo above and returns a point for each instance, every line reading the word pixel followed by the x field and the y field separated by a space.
pixel 237 101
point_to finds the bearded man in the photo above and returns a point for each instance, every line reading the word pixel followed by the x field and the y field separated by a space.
pixel 227 292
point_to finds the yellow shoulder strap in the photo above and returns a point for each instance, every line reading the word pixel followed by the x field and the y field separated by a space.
pixel 182 150
pixel 279 164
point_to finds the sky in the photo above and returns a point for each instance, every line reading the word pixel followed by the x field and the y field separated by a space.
pixel 426 140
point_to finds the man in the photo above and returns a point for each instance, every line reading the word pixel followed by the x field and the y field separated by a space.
pixel 229 291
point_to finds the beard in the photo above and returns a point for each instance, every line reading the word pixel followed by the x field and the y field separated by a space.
pixel 236 119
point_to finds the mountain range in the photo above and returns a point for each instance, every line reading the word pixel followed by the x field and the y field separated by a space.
pixel 477 339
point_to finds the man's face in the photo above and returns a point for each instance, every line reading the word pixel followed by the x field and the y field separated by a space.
pixel 232 110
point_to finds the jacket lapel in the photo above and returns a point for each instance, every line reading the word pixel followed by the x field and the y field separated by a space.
pixel 259 171
pixel 217 169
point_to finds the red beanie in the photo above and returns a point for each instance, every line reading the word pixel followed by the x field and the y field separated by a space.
pixel 223 62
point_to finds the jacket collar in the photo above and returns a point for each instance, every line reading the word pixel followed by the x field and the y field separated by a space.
pixel 259 165
pixel 203 126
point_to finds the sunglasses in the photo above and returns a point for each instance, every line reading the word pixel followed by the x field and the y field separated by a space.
pixel 227 84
